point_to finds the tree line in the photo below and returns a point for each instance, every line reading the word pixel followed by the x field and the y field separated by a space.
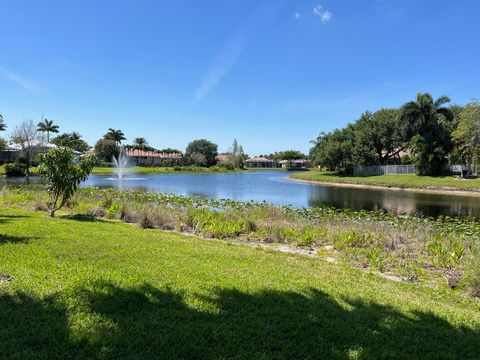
pixel 426 132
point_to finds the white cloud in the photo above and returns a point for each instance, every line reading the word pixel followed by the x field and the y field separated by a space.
pixel 296 15
pixel 225 60
pixel 25 83
pixel 324 15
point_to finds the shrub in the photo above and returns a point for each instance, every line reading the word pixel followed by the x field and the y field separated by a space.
pixel 15 169
pixel 64 175
pixel 146 219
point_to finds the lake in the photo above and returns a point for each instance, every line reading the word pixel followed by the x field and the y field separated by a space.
pixel 274 187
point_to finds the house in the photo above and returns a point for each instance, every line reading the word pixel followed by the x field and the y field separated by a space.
pixel 14 151
pixel 153 158
pixel 260 162
pixel 9 154
pixel 295 164
pixel 223 158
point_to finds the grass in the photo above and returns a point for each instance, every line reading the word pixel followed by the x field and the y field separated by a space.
pixel 146 170
pixel 162 170
pixel 420 250
pixel 400 181
pixel 86 288
pixel 175 170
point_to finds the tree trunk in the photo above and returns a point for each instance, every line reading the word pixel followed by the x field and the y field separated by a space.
pixel 52 213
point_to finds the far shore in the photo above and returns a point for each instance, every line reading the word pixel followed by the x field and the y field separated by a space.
pixel 426 190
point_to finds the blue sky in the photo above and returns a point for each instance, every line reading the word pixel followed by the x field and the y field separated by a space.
pixel 272 73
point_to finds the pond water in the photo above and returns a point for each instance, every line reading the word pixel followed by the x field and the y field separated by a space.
pixel 274 187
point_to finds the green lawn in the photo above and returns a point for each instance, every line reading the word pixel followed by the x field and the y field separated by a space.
pixel 98 289
pixel 402 181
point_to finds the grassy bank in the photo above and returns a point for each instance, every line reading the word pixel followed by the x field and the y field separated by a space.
pixel 399 181
pixel 175 170
pixel 86 288
pixel 145 170
pixel 163 170
pixel 411 249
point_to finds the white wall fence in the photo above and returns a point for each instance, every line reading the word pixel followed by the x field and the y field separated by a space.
pixel 398 169
pixel 384 170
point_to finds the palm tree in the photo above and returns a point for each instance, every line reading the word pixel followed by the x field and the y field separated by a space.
pixel 2 124
pixel 428 125
pixel 48 127
pixel 140 142
pixel 115 135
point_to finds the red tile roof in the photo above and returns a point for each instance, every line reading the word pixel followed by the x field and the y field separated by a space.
pixel 143 153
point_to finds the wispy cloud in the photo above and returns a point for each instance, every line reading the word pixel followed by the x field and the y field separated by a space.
pixel 22 81
pixel 224 61
pixel 296 15
pixel 324 15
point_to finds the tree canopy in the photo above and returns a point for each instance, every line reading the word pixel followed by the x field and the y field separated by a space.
pixel 428 124
pixel 71 140
pixel 115 135
pixel 422 127
pixel 3 127
pixel 467 134
pixel 289 155
pixel 63 175
pixel 106 149
pixel 204 147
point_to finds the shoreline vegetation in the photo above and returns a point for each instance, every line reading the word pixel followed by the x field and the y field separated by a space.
pixel 441 185
pixel 442 252
pixel 144 170
pixel 118 291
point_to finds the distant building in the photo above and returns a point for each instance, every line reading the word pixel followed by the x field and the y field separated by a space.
pixel 153 158
pixel 295 164
pixel 13 152
pixel 260 162
pixel 223 157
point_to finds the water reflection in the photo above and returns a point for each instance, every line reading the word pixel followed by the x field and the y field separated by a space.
pixel 274 187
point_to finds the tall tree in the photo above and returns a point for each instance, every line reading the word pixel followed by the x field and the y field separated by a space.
pixel 429 125
pixel 106 149
pixel 140 141
pixel 289 155
pixel 27 138
pixel 48 127
pixel 236 155
pixel 2 123
pixel 204 147
pixel 378 137
pixel 467 134
pixel 115 135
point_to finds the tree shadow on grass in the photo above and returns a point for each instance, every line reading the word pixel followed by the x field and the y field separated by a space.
pixel 146 322
pixel 5 239
pixel 8 218
pixel 81 218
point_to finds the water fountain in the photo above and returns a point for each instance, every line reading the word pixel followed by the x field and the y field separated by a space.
pixel 121 163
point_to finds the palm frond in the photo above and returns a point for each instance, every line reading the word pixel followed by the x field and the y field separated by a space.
pixel 441 101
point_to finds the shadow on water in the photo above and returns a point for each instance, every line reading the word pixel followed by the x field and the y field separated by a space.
pixel 146 322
